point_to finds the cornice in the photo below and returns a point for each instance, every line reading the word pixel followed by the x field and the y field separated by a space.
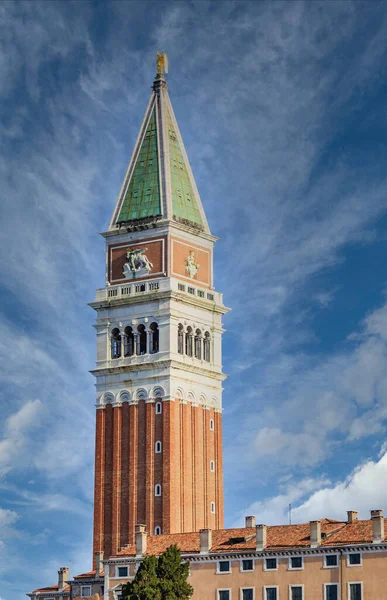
pixel 159 366
pixel 146 297
pixel 284 552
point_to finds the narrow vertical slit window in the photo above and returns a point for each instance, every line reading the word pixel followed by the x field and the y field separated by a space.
pixel 157 489
pixel 158 447
pixel 159 408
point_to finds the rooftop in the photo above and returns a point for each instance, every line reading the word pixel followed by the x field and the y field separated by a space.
pixel 279 537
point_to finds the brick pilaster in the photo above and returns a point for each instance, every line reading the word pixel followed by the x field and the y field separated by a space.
pixel 99 474
pixel 116 491
pixel 133 458
pixel 108 480
pixel 124 511
pixel 141 447
pixel 219 471
pixel 149 466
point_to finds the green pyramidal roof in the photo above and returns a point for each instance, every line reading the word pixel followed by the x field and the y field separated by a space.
pixel 184 202
pixel 159 183
pixel 142 198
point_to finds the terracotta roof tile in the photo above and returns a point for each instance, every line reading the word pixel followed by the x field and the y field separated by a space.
pixel 51 588
pixel 278 537
pixel 89 574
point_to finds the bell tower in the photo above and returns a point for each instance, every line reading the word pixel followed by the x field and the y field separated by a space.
pixel 158 457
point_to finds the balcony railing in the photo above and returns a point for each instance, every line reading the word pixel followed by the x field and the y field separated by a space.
pixel 155 286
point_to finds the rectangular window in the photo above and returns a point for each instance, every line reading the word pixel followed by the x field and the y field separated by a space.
pixel 270 564
pixel 212 466
pixel 247 564
pixel 200 294
pixel 224 594
pixel 212 427
pixel 224 566
pixel 271 593
pixel 122 571
pixel 296 592
pixel 191 290
pixel 331 560
pixel 247 594
pixel 181 287
pixel 296 562
pixel 331 591
pixel 210 296
pixel 85 591
pixel 355 591
pixel 354 559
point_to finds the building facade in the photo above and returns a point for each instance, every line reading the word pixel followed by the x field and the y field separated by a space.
pixel 159 330
pixel 319 560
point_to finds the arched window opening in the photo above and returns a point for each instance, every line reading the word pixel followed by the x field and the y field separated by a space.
pixel 207 347
pixel 180 339
pixel 198 344
pixel 157 530
pixel 158 447
pixel 154 339
pixel 128 342
pixel 157 489
pixel 159 408
pixel 116 343
pixel 141 340
pixel 188 341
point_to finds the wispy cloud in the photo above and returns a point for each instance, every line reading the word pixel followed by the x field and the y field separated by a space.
pixel 267 95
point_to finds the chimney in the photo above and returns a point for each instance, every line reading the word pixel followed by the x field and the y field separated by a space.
pixel 260 540
pixel 141 538
pixel 98 563
pixel 205 540
pixel 352 516
pixel 250 521
pixel 315 534
pixel 63 577
pixel 377 526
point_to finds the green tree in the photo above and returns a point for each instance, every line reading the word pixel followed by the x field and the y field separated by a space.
pixel 172 575
pixel 164 578
pixel 145 585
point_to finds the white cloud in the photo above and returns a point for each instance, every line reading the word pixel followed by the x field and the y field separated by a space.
pixel 17 426
pixel 362 490
pixel 7 518
pixel 302 449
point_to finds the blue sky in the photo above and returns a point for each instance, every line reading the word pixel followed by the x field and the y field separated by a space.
pixel 282 109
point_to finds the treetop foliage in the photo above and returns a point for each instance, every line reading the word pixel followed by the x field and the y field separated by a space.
pixel 163 578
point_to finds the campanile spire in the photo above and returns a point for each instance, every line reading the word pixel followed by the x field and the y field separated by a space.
pixel 159 183
pixel 159 342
